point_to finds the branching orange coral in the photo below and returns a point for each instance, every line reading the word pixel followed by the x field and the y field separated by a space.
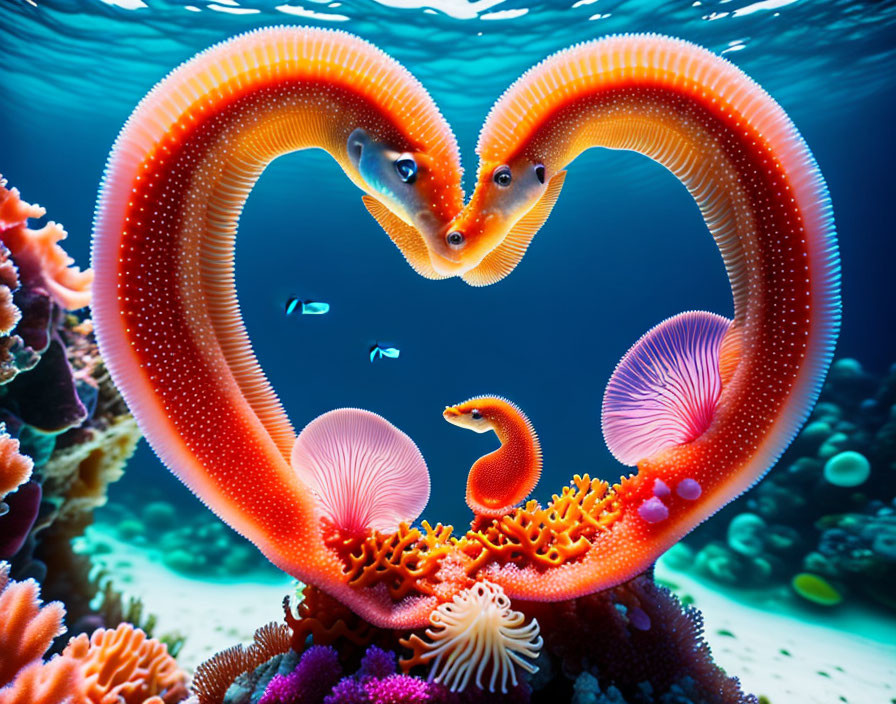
pixel 403 560
pixel 14 467
pixel 545 537
pixel 123 666
pixel 215 675
pixel 407 561
pixel 37 252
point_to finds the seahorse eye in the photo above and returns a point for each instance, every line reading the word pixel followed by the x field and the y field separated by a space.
pixel 406 168
pixel 475 414
pixel 539 172
pixel 455 239
pixel 502 176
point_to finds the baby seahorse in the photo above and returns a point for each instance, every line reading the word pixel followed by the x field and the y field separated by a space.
pixel 165 305
pixel 501 479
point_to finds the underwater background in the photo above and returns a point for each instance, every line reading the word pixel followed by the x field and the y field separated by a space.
pixel 625 248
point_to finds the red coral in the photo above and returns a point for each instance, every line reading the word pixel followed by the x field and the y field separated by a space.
pixel 37 253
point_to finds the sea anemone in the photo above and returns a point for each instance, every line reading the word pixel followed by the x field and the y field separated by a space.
pixel 475 631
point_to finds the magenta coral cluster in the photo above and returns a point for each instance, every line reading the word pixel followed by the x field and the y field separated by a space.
pixel 318 679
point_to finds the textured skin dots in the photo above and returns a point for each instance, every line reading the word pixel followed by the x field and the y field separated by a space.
pixel 503 478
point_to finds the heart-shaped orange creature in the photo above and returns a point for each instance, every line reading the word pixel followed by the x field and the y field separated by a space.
pixel 702 405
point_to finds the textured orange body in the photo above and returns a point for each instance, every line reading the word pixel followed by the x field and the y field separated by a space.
pixel 501 479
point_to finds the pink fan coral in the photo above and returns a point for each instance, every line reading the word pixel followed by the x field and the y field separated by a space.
pixel 365 472
pixel 37 253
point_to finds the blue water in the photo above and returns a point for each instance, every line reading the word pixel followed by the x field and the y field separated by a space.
pixel 625 247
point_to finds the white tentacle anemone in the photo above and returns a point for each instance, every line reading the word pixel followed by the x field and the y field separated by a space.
pixel 478 631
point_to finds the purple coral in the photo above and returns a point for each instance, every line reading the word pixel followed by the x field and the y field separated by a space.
pixel 377 663
pixel 309 683
pixel 398 689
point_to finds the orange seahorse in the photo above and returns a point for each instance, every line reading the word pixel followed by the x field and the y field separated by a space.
pixel 500 480
pixel 721 399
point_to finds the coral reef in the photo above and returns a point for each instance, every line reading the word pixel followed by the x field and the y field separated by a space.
pixel 120 666
pixel 633 644
pixel 65 424
pixel 823 522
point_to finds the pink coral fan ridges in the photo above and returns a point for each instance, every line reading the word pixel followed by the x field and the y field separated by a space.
pixel 365 472
pixel 37 252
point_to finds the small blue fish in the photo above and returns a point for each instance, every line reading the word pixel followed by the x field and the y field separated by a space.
pixel 306 307
pixel 379 351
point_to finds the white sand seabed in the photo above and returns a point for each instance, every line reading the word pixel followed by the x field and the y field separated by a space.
pixel 847 656
pixel 851 659
pixel 212 613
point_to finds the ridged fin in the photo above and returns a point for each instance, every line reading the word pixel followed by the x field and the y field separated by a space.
pixel 504 258
pixel 665 390
pixel 406 237
pixel 730 353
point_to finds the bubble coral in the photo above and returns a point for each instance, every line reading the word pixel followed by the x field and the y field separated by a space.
pixel 847 469
pixel 476 631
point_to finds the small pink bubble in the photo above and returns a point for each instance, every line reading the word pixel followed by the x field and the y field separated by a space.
pixel 689 489
pixel 653 510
